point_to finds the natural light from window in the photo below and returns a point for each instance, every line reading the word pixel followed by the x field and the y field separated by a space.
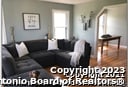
pixel 60 24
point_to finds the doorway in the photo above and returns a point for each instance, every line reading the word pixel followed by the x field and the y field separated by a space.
pixel 114 24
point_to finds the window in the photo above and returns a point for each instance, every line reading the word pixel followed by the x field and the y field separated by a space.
pixel 60 24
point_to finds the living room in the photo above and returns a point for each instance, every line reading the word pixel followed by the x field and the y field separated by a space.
pixel 14 13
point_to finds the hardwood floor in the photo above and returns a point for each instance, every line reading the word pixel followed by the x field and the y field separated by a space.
pixel 111 58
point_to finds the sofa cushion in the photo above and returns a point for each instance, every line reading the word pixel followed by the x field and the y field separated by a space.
pixel 8 66
pixel 63 59
pixel 5 52
pixel 67 45
pixel 60 43
pixel 72 44
pixel 22 58
pixel 56 51
pixel 44 58
pixel 36 45
pixel 8 63
pixel 26 65
pixel 12 49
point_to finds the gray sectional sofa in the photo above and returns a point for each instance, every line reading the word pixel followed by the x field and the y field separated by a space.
pixel 39 57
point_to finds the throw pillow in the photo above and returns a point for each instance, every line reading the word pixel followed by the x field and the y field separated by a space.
pixel 52 45
pixel 21 49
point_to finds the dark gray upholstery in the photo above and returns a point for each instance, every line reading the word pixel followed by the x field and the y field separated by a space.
pixel 5 52
pixel 23 58
pixel 12 49
pixel 26 65
pixel 39 56
pixel 8 63
pixel 72 44
pixel 67 45
pixel 44 58
pixel 87 52
pixel 60 44
pixel 63 59
pixel 36 45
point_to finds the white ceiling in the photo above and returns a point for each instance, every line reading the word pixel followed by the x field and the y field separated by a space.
pixel 68 1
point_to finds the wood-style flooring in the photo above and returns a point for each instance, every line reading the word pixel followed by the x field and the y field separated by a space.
pixel 111 57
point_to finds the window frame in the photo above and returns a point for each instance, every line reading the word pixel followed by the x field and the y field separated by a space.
pixel 67 21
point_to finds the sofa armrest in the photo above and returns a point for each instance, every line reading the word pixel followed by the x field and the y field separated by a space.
pixel 8 63
pixel 87 53
pixel 8 66
pixel 85 60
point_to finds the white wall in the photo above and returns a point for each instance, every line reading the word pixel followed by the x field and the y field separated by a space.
pixel 117 22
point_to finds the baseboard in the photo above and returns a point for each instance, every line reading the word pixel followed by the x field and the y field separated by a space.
pixel 122 46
